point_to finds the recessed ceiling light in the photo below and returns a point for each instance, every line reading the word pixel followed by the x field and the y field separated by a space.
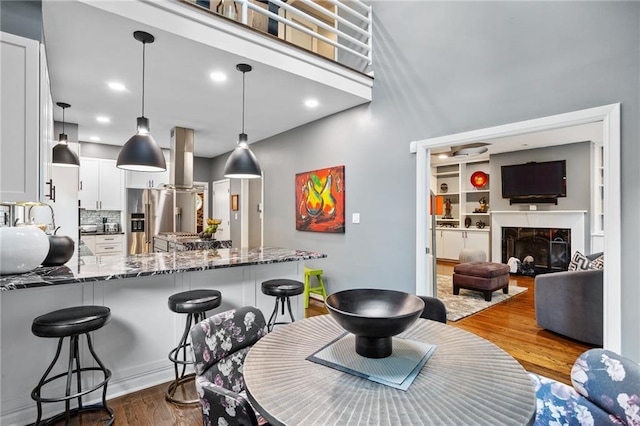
pixel 443 156
pixel 218 77
pixel 103 119
pixel 311 103
pixel 94 138
pixel 118 87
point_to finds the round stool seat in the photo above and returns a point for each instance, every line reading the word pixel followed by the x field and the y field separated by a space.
pixel 195 301
pixel 282 287
pixel 71 321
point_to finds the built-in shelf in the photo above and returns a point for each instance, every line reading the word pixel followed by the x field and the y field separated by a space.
pixel 464 198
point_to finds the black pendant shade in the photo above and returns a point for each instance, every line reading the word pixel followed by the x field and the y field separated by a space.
pixel 242 163
pixel 62 154
pixel 141 152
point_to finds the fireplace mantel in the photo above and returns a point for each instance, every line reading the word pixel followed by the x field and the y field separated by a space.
pixel 571 219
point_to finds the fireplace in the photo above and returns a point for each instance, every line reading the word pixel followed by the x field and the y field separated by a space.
pixel 550 249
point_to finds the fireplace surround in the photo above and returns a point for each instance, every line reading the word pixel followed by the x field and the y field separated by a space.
pixel 553 249
pixel 550 249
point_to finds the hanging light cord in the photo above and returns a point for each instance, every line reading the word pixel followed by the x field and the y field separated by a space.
pixel 243 73
pixel 143 63
pixel 63 120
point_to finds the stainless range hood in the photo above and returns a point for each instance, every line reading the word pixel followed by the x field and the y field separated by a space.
pixel 181 172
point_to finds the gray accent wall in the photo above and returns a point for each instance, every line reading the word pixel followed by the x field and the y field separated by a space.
pixel 444 68
pixel 22 17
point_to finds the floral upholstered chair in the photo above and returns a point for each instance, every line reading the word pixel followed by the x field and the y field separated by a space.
pixel 220 344
pixel 606 390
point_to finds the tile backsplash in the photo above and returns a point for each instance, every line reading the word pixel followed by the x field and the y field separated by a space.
pixel 95 216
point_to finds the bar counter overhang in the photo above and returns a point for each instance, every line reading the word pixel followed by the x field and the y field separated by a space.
pixel 142 330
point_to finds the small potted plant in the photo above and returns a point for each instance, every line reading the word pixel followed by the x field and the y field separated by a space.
pixel 210 230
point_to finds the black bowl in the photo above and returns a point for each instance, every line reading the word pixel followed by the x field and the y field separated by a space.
pixel 374 316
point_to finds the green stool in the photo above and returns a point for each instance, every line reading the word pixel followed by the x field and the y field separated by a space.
pixel 308 272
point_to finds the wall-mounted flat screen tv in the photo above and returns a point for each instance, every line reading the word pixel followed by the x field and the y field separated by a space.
pixel 531 181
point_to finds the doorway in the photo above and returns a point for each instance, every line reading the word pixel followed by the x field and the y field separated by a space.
pixel 221 194
pixel 609 115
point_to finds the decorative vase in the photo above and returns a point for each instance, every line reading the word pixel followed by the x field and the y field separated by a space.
pixel 22 249
pixel 60 250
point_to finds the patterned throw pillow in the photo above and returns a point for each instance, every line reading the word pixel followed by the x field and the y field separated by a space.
pixel 579 262
pixel 597 263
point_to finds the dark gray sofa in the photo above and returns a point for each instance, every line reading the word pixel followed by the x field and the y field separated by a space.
pixel 570 303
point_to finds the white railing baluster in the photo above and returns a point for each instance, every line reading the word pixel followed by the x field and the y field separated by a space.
pixel 321 24
pixel 361 23
pixel 336 17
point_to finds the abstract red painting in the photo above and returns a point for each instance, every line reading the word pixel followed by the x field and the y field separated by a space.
pixel 320 200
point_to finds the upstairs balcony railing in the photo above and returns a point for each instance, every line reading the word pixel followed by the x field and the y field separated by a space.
pixel 337 30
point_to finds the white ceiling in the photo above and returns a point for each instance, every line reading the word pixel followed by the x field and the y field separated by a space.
pixel 565 135
pixel 88 47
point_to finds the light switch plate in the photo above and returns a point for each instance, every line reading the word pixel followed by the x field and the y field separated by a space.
pixel 355 218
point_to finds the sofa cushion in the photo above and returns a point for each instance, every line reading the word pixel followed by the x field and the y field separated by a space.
pixel 598 263
pixel 579 262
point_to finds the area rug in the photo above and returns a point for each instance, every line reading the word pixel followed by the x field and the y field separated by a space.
pixel 468 301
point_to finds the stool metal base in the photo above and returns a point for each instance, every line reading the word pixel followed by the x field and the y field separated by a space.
pixel 182 378
pixel 74 355
pixel 272 319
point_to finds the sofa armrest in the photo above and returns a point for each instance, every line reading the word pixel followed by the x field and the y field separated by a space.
pixel 570 303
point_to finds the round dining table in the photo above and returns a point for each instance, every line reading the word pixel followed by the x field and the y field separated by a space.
pixel 466 381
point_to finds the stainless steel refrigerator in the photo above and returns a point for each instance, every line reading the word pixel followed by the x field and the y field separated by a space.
pixel 151 211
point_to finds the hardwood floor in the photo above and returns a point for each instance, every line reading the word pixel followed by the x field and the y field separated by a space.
pixel 510 325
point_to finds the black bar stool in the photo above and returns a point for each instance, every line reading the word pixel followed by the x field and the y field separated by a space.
pixel 194 303
pixel 72 322
pixel 282 289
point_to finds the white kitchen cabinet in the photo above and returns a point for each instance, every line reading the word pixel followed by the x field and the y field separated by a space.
pixel 134 179
pixel 47 183
pixel 476 239
pixel 104 245
pixel 90 242
pixel 449 242
pixel 101 184
pixel 20 118
pixel 109 245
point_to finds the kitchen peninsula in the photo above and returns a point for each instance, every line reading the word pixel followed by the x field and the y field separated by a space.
pixel 142 330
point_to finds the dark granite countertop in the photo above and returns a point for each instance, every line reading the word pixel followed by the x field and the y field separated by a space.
pixel 86 234
pixel 192 243
pixel 101 268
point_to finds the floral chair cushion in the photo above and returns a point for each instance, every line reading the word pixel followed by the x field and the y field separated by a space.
pixel 219 345
pixel 559 404
pixel 221 407
pixel 606 390
pixel 611 381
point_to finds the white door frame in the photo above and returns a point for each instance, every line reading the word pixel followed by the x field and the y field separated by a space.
pixel 610 117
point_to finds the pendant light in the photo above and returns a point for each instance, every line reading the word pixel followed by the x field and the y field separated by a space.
pixel 141 153
pixel 62 154
pixel 242 163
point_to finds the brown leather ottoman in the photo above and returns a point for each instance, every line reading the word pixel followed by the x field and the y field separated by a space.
pixel 486 277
